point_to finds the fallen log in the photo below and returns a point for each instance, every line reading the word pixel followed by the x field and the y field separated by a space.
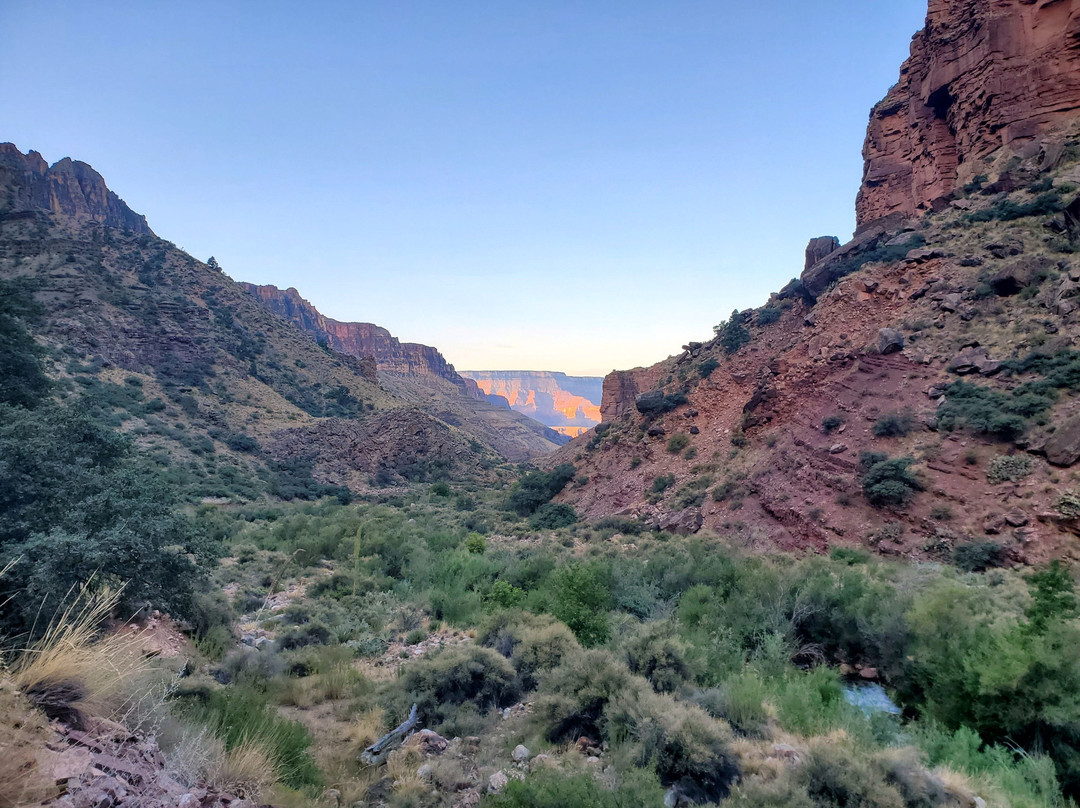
pixel 378 751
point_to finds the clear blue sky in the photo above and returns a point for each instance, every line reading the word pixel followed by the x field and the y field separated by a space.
pixel 551 185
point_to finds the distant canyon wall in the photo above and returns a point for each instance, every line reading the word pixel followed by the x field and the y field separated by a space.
pixel 983 74
pixel 568 404
pixel 362 340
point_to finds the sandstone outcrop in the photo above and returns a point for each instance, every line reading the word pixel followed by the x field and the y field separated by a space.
pixel 982 75
pixel 68 187
pixel 361 339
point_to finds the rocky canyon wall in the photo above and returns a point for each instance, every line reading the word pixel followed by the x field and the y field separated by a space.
pixel 983 74
pixel 362 339
pixel 70 188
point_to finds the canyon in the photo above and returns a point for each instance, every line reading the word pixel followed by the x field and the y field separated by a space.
pixel 568 404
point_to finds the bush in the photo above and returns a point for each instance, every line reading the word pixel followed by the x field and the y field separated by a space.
pixel 662 483
pixel 240 442
pixel 534 644
pixel 1008 468
pixel 677 442
pixel 986 411
pixel 443 680
pixel 1006 210
pixel 978 556
pixel 659 656
pixel 888 482
pixel 537 488
pixel 706 368
pixel 768 315
pixel 581 598
pixel 551 517
pixel 732 334
pixel 657 404
pixel 831 423
pixel 893 425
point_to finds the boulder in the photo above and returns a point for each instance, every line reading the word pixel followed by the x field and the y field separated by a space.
pixel 649 402
pixel 951 302
pixel 497 782
pixel 819 248
pixel 521 754
pixel 1063 447
pixel 890 341
pixel 974 360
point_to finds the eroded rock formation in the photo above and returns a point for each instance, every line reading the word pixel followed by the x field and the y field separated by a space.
pixel 361 339
pixel 68 187
pixel 982 75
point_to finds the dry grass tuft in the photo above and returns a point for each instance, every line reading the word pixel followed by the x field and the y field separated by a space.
pixel 69 671
pixel 245 770
pixel 366 729
pixel 23 735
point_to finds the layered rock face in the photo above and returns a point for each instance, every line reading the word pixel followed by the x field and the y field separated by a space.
pixel 361 339
pixel 983 74
pixel 568 404
pixel 68 187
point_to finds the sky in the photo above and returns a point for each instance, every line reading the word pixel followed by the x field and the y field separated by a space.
pixel 573 185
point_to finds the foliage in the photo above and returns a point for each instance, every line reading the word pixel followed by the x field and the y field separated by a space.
pixel 652 408
pixel 442 681
pixel 580 598
pixel 978 556
pixel 537 488
pixel 732 333
pixel 25 383
pixel 76 506
pixel 706 368
pixel 240 715
pixel 1008 468
pixel 985 411
pixel 893 425
pixel 1006 210
pixel 889 482
pixel 831 423
pixel 551 516
pixel 677 442
pixel 554 789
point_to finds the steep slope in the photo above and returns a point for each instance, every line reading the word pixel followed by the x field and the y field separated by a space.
pixel 196 369
pixel 945 343
pixel 568 404
pixel 417 374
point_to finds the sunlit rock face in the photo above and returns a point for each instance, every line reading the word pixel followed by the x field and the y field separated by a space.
pixel 568 404
pixel 983 74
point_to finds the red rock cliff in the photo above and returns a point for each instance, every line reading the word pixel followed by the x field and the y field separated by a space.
pixel 982 74
pixel 69 188
pixel 361 339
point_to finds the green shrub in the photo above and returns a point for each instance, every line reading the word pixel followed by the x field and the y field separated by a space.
pixel 658 655
pixel 1008 468
pixel 658 405
pixel 893 425
pixel 662 483
pixel 475 544
pixel 706 368
pixel 537 488
pixel 831 423
pixel 732 333
pixel 551 517
pixel 534 644
pixel 581 597
pixel 888 482
pixel 677 442
pixel 1006 210
pixel 442 680
pixel 768 315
